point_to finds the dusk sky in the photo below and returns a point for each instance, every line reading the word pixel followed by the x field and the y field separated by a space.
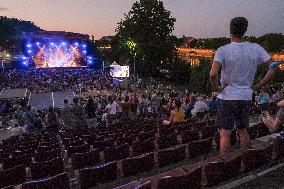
pixel 197 18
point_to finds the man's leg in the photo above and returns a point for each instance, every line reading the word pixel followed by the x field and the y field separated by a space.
pixel 244 138
pixel 242 122
pixel 226 123
pixel 225 141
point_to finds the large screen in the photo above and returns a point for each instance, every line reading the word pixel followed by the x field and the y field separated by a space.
pixel 57 54
pixel 119 71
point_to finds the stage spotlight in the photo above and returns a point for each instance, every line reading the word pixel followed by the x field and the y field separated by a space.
pixel 25 63
pixel 84 45
pixel 29 45
pixel 63 43
pixel 51 44
pixel 84 52
pixel 77 44
pixel 24 58
pixel 37 43
pixel 29 51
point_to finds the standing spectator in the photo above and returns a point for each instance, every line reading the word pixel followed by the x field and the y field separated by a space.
pixel 91 109
pixel 30 119
pixel 111 110
pixel 238 62
pixel 52 120
pixel 77 112
pixel 126 109
pixel 66 114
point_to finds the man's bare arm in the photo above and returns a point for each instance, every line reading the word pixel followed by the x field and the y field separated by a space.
pixel 216 66
pixel 269 75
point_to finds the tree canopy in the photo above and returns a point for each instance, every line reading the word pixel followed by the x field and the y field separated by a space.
pixel 145 36
pixel 272 42
pixel 11 28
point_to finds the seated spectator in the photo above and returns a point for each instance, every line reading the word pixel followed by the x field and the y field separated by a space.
pixel 200 106
pixel 177 115
pixel 277 96
pixel 275 124
pixel 213 104
pixel 263 97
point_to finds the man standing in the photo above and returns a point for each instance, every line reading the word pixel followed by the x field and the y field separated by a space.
pixel 66 114
pixel 238 62
pixel 78 116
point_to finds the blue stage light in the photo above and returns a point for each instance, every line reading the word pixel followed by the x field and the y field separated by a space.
pixel 77 44
pixel 52 44
pixel 25 63
pixel 29 45
pixel 84 45
pixel 29 51
pixel 63 43
pixel 84 52
pixel 37 43
pixel 24 58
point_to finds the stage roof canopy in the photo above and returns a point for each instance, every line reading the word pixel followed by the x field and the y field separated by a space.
pixel 13 93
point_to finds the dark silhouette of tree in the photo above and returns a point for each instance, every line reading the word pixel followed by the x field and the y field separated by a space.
pixel 145 35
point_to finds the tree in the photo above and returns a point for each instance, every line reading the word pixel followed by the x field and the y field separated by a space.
pixel 200 77
pixel 145 36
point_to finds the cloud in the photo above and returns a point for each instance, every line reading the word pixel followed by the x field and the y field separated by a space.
pixel 3 9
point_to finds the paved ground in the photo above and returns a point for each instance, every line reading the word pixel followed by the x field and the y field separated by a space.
pixel 271 180
pixel 44 100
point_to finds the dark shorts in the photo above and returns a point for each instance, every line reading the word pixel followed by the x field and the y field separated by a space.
pixel 233 114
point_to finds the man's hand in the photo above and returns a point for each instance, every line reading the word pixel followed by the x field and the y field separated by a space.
pixel 221 88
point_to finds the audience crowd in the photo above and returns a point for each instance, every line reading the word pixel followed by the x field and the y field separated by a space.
pixel 101 101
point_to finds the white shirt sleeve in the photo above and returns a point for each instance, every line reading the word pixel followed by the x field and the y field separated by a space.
pixel 263 55
pixel 219 55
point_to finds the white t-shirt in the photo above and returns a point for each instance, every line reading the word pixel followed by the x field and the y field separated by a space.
pixel 239 64
pixel 112 108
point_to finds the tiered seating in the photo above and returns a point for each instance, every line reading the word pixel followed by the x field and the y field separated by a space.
pixel 83 160
pixel 132 166
pixel 190 178
pixel 18 153
pixel 189 136
pixel 90 177
pixel 200 147
pixel 172 155
pixel 48 168
pixel 143 147
pixel 13 176
pixel 140 148
pixel 60 181
pixel 215 170
pixel 167 141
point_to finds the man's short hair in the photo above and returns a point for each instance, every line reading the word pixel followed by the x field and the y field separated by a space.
pixel 238 26
pixel 76 100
